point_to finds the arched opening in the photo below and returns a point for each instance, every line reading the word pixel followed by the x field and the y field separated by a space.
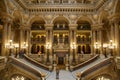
pixel 38 34
pixel 42 49
pixel 33 48
pixel 60 38
pixel 60 31
pixel 83 35
pixel 83 49
pixel 79 49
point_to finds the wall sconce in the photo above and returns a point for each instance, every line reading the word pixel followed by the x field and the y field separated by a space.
pixel 97 46
pixel 105 47
pixel 24 46
pixel 16 47
pixel 111 47
pixel 48 46
pixel 10 46
pixel 73 46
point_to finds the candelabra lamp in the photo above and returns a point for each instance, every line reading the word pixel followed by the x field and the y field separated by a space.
pixel 73 49
pixel 97 46
pixel 48 46
pixel 105 47
pixel 10 46
pixel 111 47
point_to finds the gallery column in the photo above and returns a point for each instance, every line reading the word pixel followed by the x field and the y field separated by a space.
pixel 72 38
pixel 21 38
pixel 29 40
pixel 94 39
pixel 100 38
pixel 117 39
pixel 49 37
pixel 4 36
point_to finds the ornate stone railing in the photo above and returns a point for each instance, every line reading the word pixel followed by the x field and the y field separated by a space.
pixel 2 62
pixel 118 62
pixel 26 67
pixel 96 67
pixel 37 63
pixel 84 63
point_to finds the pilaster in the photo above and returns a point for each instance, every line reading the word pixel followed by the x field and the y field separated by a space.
pixel 72 38
pixel 49 38
pixel 6 21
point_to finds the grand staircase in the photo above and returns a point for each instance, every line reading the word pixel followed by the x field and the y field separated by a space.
pixel 63 74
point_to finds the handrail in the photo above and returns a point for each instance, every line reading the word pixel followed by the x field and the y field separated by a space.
pixel 2 60
pixel 26 67
pixel 85 63
pixel 36 63
pixel 96 67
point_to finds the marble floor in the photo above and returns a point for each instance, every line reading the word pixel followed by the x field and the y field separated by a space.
pixel 63 75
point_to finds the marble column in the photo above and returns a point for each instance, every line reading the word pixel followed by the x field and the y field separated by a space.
pixel 112 32
pixel 72 39
pixel 4 37
pixel 100 38
pixel 21 38
pixel 117 39
pixel 9 32
pixel 28 41
pixel 49 38
pixel 94 38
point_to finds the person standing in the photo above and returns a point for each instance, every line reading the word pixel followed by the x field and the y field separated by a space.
pixel 57 73
pixel 39 53
pixel 21 54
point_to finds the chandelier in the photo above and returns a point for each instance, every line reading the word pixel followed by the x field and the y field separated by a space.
pixel 18 78
pixel 102 78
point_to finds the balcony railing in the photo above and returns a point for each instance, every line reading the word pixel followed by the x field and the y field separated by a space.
pixel 58 7
pixel 36 40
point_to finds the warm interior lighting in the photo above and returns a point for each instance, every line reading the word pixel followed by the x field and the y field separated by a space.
pixel 16 45
pixel 9 45
pixel 97 46
pixel 24 45
pixel 48 46
pixel 111 45
pixel 73 45
pixel 10 41
pixel 102 78
pixel 18 78
pixel 105 45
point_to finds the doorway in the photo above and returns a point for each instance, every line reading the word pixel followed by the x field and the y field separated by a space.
pixel 60 60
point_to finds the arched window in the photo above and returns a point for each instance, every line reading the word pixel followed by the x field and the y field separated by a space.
pixel 42 49
pixel 88 50
pixel 38 48
pixel 33 48
pixel 83 49
pixel 79 49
